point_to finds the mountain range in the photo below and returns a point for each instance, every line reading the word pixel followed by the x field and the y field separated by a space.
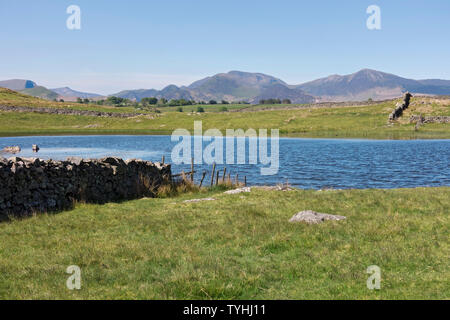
pixel 373 84
pixel 253 87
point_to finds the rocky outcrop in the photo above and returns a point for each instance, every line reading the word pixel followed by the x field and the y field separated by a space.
pixel 34 185
pixel 71 112
pixel 312 217
pixel 400 107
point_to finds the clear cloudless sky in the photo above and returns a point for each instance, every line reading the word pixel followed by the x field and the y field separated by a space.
pixel 150 44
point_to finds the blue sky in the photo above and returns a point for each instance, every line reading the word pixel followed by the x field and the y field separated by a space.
pixel 150 44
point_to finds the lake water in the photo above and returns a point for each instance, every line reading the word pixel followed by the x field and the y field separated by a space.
pixel 304 163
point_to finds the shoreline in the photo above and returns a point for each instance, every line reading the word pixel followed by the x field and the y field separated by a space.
pixel 168 133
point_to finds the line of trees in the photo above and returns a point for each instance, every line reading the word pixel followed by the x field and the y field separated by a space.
pixel 149 102
pixel 274 101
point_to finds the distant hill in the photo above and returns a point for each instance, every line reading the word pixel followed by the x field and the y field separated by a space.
pixel 31 88
pixel 231 86
pixel 367 83
pixel 17 84
pixel 435 82
pixel 137 94
pixel 234 85
pixel 68 93
pixel 41 92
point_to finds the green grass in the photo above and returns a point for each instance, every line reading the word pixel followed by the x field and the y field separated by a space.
pixel 325 122
pixel 238 247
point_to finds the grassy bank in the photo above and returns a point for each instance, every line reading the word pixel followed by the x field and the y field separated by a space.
pixel 343 122
pixel 366 121
pixel 237 247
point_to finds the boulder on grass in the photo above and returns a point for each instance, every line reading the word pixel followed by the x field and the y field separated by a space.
pixel 312 217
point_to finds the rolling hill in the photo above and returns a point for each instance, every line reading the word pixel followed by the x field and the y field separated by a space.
pixel 41 92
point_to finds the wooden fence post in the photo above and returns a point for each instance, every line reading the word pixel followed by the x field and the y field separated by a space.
pixel 224 173
pixel 217 177
pixel 203 177
pixel 212 174
pixel 192 169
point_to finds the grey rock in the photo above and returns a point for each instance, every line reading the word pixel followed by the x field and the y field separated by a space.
pixel 312 217
pixel 75 160
pixel 238 190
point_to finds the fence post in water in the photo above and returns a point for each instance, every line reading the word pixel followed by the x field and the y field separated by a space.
pixel 192 169
pixel 162 161
pixel 224 173
pixel 237 179
pixel 212 174
pixel 229 178
pixel 203 177
pixel 245 181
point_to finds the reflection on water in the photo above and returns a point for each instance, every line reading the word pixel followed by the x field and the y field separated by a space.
pixel 304 163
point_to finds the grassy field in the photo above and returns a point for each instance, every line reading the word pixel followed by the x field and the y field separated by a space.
pixel 237 247
pixel 330 122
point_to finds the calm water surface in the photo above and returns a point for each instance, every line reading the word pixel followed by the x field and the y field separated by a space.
pixel 304 163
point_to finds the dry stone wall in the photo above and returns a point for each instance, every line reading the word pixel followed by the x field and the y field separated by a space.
pixel 429 119
pixel 71 112
pixel 33 185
